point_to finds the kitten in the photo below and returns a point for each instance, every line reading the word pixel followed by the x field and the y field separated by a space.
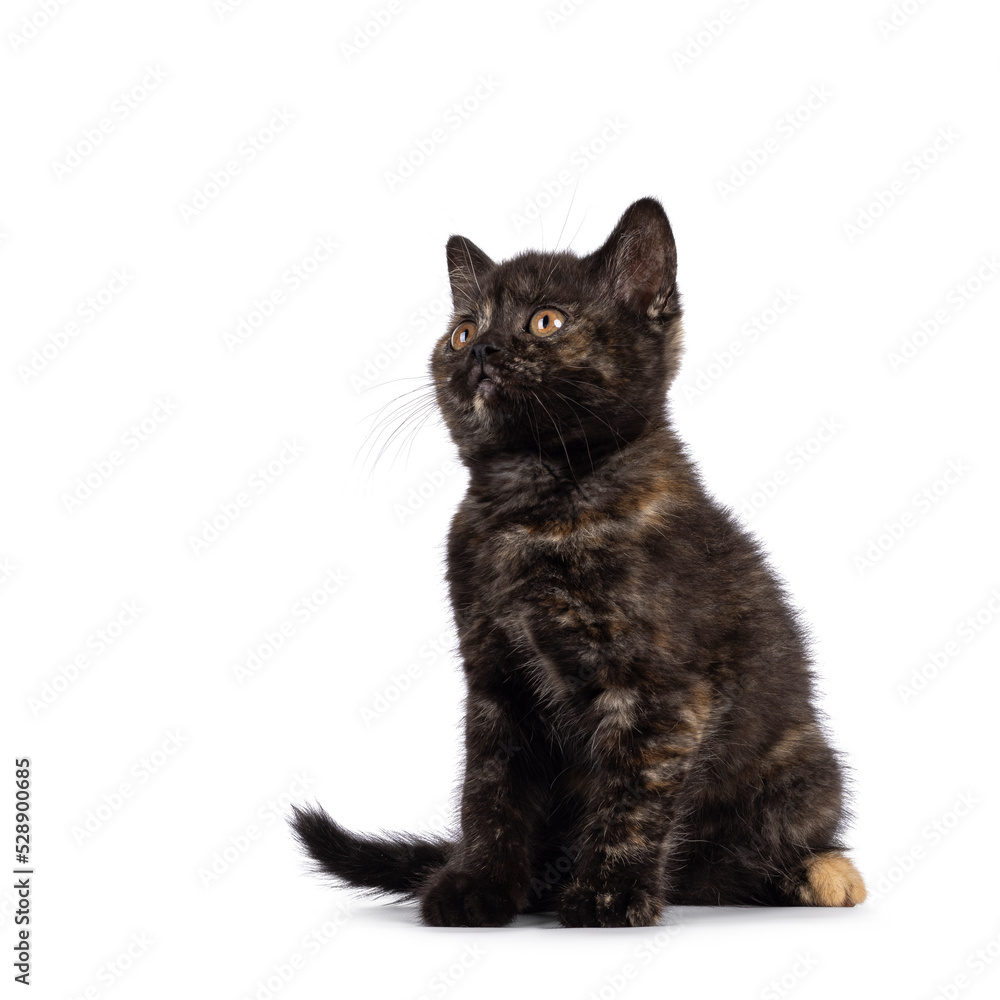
pixel 639 725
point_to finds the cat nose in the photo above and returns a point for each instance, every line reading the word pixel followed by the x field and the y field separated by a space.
pixel 482 351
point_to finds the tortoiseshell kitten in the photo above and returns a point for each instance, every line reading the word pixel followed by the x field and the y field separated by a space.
pixel 639 725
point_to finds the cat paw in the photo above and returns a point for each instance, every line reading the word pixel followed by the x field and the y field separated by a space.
pixel 582 905
pixel 459 899
pixel 832 880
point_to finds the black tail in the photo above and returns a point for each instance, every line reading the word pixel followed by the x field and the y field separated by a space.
pixel 396 863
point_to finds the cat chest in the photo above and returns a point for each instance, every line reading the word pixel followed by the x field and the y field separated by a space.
pixel 521 563
pixel 556 593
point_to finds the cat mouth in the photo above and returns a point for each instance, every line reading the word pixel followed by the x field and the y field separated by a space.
pixel 486 386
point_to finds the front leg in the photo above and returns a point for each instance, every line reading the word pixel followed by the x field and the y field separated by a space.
pixel 641 748
pixel 486 880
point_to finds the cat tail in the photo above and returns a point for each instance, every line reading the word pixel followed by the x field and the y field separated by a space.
pixel 394 863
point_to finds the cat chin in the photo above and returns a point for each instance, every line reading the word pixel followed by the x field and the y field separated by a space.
pixel 487 399
pixel 480 401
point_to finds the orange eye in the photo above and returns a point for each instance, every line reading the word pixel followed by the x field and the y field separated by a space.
pixel 546 322
pixel 462 334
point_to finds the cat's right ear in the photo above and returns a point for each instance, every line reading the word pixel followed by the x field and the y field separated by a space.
pixel 467 264
pixel 638 263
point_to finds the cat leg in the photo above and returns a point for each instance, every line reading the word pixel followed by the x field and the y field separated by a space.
pixel 769 835
pixel 486 879
pixel 744 875
pixel 803 811
pixel 642 749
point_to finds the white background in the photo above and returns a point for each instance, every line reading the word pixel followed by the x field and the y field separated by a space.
pixel 575 117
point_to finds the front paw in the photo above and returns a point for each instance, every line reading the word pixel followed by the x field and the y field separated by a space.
pixel 609 905
pixel 459 899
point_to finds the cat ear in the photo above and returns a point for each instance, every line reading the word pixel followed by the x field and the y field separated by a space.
pixel 466 266
pixel 638 262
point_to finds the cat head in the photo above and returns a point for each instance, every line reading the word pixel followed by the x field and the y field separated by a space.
pixel 548 352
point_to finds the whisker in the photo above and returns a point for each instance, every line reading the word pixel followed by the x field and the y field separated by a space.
pixel 384 421
pixel 576 402
pixel 396 399
pixel 392 420
pixel 398 437
pixel 389 381
pixel 412 436
pixel 599 388
pixel 572 404
pixel 562 441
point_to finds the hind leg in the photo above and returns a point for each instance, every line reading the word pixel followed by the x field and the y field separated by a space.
pixel 769 836
pixel 711 877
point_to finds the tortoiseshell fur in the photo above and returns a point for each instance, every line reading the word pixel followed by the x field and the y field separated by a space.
pixel 639 724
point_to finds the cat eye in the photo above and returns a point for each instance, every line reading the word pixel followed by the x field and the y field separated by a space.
pixel 462 334
pixel 546 322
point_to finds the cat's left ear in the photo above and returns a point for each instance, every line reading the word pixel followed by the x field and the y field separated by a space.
pixel 467 265
pixel 638 262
